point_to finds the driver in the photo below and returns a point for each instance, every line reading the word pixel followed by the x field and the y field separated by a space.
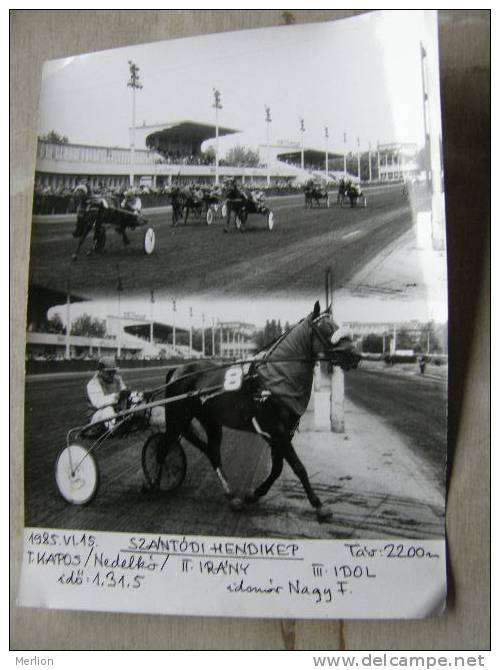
pixel 81 195
pixel 106 392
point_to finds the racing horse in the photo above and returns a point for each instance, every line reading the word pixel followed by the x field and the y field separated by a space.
pixel 351 191
pixel 177 197
pixel 315 192
pixel 186 200
pixel 95 211
pixel 266 396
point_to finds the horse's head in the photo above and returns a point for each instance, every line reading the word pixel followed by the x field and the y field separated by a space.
pixel 331 342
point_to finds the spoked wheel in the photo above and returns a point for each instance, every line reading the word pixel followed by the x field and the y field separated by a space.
pixel 149 241
pixel 164 465
pixel 364 201
pixel 328 201
pixel 210 216
pixel 223 211
pixel 270 221
pixel 77 475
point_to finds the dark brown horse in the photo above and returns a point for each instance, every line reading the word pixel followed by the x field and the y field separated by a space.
pixel 266 396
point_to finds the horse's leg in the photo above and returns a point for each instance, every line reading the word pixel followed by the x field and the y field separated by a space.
pixel 295 463
pixel 211 449
pixel 186 214
pixel 82 239
pixel 276 468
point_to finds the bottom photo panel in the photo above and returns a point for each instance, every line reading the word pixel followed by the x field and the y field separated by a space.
pixel 245 458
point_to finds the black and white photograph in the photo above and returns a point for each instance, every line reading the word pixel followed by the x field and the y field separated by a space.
pixel 237 321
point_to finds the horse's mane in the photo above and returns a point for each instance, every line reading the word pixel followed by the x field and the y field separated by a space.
pixel 271 346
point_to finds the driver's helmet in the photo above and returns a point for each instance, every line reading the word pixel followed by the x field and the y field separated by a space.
pixel 81 190
pixel 107 367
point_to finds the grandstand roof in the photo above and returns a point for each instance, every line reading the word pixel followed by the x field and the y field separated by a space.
pixel 184 133
pixel 161 331
pixel 41 299
pixel 311 156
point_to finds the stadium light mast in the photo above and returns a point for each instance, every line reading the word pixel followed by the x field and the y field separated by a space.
pixel 369 161
pixel 203 334
pixel 151 322
pixel 378 160
pixel 268 122
pixel 135 85
pixel 68 317
pixel 359 163
pixel 302 131
pixel 119 288
pixel 216 106
pixel 213 337
pixel 190 332
pixel 345 156
pixel 174 309
pixel 326 153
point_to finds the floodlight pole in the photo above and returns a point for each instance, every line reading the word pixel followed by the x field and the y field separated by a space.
pixel 345 156
pixel 302 131
pixel 151 323
pixel 217 106
pixel 173 323
pixel 369 161
pixel 119 288
pixel 134 84
pixel 213 337
pixel 190 332
pixel 68 318
pixel 378 160
pixel 425 103
pixel 268 121
pixel 203 334
pixel 326 153
pixel 359 164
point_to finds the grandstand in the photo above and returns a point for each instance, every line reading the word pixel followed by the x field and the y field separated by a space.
pixel 163 153
pixel 127 336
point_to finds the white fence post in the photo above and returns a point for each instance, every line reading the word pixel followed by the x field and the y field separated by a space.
pixel 337 423
pixel 328 399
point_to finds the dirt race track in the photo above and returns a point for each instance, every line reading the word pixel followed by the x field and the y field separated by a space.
pixel 55 403
pixel 203 260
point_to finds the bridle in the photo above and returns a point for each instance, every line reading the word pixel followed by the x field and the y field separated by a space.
pixel 315 330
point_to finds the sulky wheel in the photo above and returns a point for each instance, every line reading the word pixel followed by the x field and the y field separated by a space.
pixel 77 475
pixel 149 241
pixel 210 216
pixel 163 464
pixel 270 221
pixel 223 210
pixel 328 201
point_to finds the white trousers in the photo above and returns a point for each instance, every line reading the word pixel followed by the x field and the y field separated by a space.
pixel 106 413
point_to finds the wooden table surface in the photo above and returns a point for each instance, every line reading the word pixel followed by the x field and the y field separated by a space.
pixel 39 35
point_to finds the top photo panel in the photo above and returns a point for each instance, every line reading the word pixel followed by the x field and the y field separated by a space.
pixel 244 163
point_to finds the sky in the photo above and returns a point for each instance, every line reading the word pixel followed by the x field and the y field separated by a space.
pixel 357 76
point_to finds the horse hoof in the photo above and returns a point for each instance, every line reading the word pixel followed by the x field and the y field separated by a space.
pixel 323 514
pixel 236 504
